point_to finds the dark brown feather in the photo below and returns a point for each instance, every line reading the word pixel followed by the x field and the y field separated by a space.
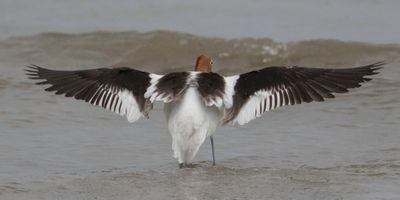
pixel 91 85
pixel 302 84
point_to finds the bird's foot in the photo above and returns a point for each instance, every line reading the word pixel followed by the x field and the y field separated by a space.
pixel 187 165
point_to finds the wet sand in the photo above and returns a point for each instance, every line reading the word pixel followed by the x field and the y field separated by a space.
pixel 52 147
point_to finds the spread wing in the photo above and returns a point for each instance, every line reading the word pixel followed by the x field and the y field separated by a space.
pixel 120 90
pixel 256 92
pixel 128 91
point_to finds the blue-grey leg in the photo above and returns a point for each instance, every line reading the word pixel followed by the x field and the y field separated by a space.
pixel 212 149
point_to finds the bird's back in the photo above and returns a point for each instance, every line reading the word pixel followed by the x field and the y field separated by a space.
pixel 190 122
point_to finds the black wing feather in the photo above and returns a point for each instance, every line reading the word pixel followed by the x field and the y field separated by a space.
pixel 302 84
pixel 90 85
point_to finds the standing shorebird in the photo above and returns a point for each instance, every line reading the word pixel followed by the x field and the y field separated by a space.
pixel 197 102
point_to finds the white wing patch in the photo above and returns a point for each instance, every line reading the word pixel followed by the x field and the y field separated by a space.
pixel 260 102
pixel 129 106
pixel 151 91
pixel 121 102
pixel 230 83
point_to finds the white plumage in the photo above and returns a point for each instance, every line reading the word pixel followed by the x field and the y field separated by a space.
pixel 190 122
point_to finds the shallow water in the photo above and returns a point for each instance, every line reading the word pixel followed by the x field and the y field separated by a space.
pixel 53 147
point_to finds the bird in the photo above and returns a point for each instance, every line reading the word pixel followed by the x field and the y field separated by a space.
pixel 197 102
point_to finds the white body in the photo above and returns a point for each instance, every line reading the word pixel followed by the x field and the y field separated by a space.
pixel 190 122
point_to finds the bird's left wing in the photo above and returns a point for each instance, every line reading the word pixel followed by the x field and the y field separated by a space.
pixel 256 92
pixel 121 90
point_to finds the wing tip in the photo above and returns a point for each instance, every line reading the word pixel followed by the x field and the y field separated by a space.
pixel 32 71
pixel 32 67
pixel 371 69
pixel 374 69
pixel 378 65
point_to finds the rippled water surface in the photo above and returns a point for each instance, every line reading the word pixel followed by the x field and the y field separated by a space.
pixel 283 20
pixel 54 147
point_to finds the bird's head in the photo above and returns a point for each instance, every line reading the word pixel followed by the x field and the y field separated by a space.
pixel 203 63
